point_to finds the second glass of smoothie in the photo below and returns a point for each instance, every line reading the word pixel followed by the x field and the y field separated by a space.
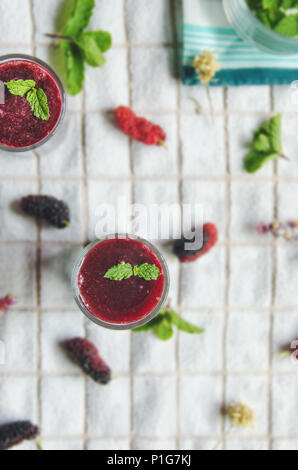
pixel 123 304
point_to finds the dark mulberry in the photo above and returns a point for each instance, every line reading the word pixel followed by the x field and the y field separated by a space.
pixel 86 355
pixel 47 208
pixel 210 236
pixel 139 128
pixel 15 433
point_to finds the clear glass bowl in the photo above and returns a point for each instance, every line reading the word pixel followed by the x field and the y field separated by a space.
pixel 28 58
pixel 120 326
pixel 252 30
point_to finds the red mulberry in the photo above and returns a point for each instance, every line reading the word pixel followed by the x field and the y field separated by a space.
pixel 139 128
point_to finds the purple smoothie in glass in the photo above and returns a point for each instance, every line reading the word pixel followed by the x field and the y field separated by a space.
pixel 19 128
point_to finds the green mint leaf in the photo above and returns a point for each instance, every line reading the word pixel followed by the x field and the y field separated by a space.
pixel 79 46
pixel 162 325
pixel 275 133
pixel 150 325
pixel 255 160
pixel 263 16
pixel 119 272
pixel 20 87
pixel 146 271
pixel 102 38
pixel 286 4
pixel 74 67
pixel 275 16
pixel 288 25
pixel 164 330
pixel 270 4
pixel 262 143
pixel 92 52
pixel 254 4
pixel 267 144
pixel 39 103
pixel 78 18
pixel 183 325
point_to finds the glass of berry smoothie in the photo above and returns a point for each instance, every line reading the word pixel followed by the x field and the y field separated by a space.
pixel 120 282
pixel 34 103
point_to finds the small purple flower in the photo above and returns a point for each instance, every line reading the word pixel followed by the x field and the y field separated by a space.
pixel 288 230
pixel 6 302
pixel 294 224
pixel 262 229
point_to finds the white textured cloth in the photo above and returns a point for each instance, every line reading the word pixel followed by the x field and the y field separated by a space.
pixel 164 395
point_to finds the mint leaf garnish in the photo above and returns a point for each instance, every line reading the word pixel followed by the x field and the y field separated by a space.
pixel 79 15
pixel 79 46
pixel 266 145
pixel 20 87
pixel 146 271
pixel 119 272
pixel 39 103
pixel 36 96
pixel 162 325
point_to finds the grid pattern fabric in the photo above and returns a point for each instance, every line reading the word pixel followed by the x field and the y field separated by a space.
pixel 244 293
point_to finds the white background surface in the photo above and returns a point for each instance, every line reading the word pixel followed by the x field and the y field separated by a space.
pixel 164 395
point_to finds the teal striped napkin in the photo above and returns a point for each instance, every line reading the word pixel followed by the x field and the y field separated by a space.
pixel 205 27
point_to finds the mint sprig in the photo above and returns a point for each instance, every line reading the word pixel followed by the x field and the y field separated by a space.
pixel 35 96
pixel 78 16
pixel 122 271
pixel 78 46
pixel 162 325
pixel 266 145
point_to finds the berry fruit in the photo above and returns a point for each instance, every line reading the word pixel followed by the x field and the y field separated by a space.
pixel 139 128
pixel 85 354
pixel 210 236
pixel 15 433
pixel 47 208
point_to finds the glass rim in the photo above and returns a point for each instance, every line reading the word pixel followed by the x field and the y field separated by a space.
pixel 29 58
pixel 263 29
pixel 120 326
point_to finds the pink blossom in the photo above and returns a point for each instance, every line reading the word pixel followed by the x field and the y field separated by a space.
pixel 6 302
